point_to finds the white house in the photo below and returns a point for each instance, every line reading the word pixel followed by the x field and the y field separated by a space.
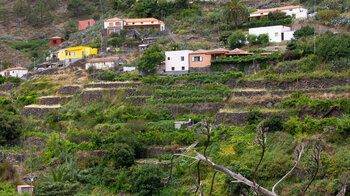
pixel 14 72
pixel 114 25
pixel 277 33
pixel 294 10
pixel 177 62
pixel 102 63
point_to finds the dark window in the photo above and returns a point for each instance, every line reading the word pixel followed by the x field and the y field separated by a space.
pixel 54 41
pixel 168 58
pixel 172 68
pixel 182 58
pixel 88 23
pixel 183 68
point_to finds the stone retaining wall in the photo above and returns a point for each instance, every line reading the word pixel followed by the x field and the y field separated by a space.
pixel 38 110
pixel 98 94
pixel 301 84
pixel 136 100
pixel 68 89
pixel 113 85
pixel 284 92
pixel 196 108
pixel 17 158
pixel 8 87
pixel 53 100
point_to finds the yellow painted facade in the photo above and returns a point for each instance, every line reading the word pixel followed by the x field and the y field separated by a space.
pixel 77 52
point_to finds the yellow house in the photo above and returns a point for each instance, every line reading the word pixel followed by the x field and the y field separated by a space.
pixel 70 55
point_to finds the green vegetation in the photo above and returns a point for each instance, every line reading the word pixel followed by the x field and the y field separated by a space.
pixel 152 57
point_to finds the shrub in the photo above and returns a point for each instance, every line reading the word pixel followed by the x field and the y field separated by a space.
pixel 339 64
pixel 116 41
pixel 122 155
pixel 152 57
pixel 147 180
pixel 277 15
pixel 107 76
pixel 236 40
pixel 263 40
pixel 9 126
pixel 56 189
pixel 274 122
pixel 327 15
pixel 254 117
pixel 304 31
pixel 252 39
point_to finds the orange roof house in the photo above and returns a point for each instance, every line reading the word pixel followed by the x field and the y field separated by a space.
pixel 114 25
pixel 83 24
pixel 238 52
pixel 55 41
pixel 293 10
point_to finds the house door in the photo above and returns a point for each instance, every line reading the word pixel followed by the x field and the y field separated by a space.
pixel 282 36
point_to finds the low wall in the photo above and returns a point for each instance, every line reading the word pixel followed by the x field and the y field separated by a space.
pixel 53 100
pixel 90 95
pixel 39 110
pixel 68 90
pixel 17 158
pixel 113 85
pixel 196 108
pixel 8 87
pixel 294 85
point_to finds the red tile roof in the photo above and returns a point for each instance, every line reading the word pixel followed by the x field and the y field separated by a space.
pixel 277 8
pixel 238 51
pixel 14 68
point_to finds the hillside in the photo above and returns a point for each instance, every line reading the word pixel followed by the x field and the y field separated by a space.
pixel 263 117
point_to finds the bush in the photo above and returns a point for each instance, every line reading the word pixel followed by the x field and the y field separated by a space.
pixel 56 189
pixel 236 40
pixel 122 155
pixel 254 117
pixel 326 15
pixel 263 40
pixel 252 39
pixel 277 15
pixel 9 126
pixel 339 64
pixel 274 122
pixel 304 31
pixel 116 41
pixel 107 76
pixel 147 180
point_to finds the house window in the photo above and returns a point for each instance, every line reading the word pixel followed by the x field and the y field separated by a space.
pixel 172 68
pixel 88 23
pixel 54 41
pixel 141 22
pixel 71 53
pixel 182 58
pixel 67 53
pixel 133 23
pixel 197 58
pixel 276 34
pixel 291 10
pixel 168 58
pixel 110 24
pixel 152 22
pixel 183 68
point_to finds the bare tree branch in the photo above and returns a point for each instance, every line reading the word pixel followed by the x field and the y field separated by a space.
pixel 299 150
pixel 261 138
pixel 212 182
pixel 342 191
pixel 194 178
pixel 316 157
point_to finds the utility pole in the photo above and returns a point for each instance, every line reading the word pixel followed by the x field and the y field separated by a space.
pixel 315 30
pixel 102 25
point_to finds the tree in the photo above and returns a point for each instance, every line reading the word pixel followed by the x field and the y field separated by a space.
pixel 40 16
pixel 122 155
pixel 152 57
pixel 78 7
pixel 235 10
pixel 252 39
pixel 304 31
pixel 237 39
pixel 69 28
pixel 263 40
pixel 147 180
pixel 9 126
pixel 277 15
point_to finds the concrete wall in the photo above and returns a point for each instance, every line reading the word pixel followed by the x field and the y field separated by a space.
pixel 100 65
pixel 14 73
pixel 179 60
pixel 205 62
pixel 298 12
pixel 274 32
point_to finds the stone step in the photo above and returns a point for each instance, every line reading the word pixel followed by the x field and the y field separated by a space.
pixel 69 89
pixel 53 100
pixel 113 85
pixel 39 110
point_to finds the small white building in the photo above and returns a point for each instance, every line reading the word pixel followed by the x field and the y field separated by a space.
pixel 277 33
pixel 21 189
pixel 128 69
pixel 177 62
pixel 295 10
pixel 14 72
pixel 102 63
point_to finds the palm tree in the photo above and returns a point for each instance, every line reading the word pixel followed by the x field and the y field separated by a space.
pixel 235 10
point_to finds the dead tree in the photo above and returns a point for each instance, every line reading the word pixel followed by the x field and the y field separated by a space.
pixel 261 139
